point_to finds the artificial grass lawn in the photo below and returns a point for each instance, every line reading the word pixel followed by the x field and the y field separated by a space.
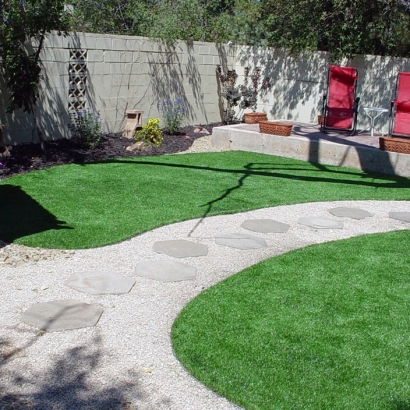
pixel 82 206
pixel 324 327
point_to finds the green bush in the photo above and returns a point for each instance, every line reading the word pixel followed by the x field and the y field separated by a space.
pixel 150 133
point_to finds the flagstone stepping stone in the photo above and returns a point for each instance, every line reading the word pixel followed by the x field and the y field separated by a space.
pixel 354 213
pixel 401 216
pixel 180 248
pixel 59 315
pixel 100 283
pixel 240 241
pixel 265 226
pixel 165 271
pixel 320 222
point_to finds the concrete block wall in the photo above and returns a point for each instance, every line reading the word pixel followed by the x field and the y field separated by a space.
pixel 125 72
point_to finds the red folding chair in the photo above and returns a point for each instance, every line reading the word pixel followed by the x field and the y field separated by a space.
pixel 340 105
pixel 399 123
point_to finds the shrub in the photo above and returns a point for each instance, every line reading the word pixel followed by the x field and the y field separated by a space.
pixel 249 92
pixel 229 91
pixel 150 133
pixel 245 95
pixel 86 126
pixel 174 113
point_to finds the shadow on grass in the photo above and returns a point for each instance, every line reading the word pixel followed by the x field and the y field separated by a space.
pixel 282 171
pixel 68 384
pixel 310 173
pixel 21 215
pixel 399 404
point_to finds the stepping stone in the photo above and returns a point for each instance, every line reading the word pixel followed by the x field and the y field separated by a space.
pixel 265 226
pixel 165 271
pixel 321 222
pixel 354 213
pixel 401 216
pixel 100 283
pixel 180 248
pixel 60 315
pixel 240 241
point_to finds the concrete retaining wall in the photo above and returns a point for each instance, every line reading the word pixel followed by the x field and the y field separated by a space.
pixel 126 72
pixel 359 156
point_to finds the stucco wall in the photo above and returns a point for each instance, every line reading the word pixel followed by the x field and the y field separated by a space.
pixel 137 73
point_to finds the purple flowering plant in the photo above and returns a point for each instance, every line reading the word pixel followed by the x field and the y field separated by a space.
pixel 173 113
pixel 86 126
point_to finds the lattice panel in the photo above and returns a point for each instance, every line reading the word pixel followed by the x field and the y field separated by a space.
pixel 77 71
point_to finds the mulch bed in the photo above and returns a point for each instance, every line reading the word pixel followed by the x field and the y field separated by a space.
pixel 29 157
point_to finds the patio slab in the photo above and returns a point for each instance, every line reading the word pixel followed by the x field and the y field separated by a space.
pixel 354 213
pixel 59 315
pixel 165 271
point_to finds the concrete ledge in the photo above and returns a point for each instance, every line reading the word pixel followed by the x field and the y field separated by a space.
pixel 308 146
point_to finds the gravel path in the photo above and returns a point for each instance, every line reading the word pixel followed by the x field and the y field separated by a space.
pixel 126 361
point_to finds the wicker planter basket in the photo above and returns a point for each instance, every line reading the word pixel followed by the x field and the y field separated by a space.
pixel 275 128
pixel 395 144
pixel 255 117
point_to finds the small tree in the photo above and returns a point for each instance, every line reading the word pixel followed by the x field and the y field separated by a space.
pixel 25 24
pixel 251 87
pixel 229 91
pixel 244 95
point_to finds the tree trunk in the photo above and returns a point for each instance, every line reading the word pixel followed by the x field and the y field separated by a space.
pixel 38 128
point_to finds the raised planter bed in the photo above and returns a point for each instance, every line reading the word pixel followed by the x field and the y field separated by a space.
pixel 255 117
pixel 275 127
pixel 395 144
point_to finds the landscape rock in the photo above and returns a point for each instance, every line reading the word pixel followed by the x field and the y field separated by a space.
pixel 201 130
pixel 15 255
pixel 135 147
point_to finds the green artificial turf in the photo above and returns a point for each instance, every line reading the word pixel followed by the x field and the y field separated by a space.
pixel 324 327
pixel 82 206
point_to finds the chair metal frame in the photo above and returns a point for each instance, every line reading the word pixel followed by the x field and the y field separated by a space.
pixel 351 111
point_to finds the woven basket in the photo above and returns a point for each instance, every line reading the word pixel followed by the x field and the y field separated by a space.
pixel 321 119
pixel 395 144
pixel 276 128
pixel 255 117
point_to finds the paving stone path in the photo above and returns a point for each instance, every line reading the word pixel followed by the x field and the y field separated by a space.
pixel 215 249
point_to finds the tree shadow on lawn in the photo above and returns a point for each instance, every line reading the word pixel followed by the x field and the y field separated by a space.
pixel 285 171
pixel 21 215
pixel 273 170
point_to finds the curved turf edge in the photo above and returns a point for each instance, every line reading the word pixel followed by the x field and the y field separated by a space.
pixel 322 327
